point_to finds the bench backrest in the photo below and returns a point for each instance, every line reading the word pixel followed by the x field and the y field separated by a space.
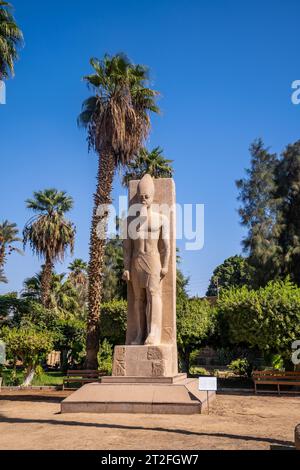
pixel 276 374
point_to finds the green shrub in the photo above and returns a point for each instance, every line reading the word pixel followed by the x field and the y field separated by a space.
pixel 105 357
pixel 195 325
pixel 199 371
pixel 267 319
pixel 113 321
pixel 241 367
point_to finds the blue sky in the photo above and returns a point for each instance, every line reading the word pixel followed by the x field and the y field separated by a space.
pixel 224 69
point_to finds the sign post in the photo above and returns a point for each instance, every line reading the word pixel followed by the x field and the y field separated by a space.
pixel 208 384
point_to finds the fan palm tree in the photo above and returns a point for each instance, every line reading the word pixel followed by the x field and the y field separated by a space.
pixel 8 236
pixel 152 162
pixel 48 233
pixel 79 279
pixel 117 120
pixel 63 295
pixel 78 272
pixel 11 38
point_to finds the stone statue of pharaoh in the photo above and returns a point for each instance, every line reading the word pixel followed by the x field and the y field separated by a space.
pixel 146 259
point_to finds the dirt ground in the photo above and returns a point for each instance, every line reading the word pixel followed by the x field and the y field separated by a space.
pixel 31 420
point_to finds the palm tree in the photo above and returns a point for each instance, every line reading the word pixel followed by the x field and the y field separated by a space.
pixel 2 276
pixel 79 279
pixel 32 288
pixel 152 162
pixel 48 233
pixel 63 295
pixel 117 120
pixel 11 38
pixel 78 272
pixel 8 236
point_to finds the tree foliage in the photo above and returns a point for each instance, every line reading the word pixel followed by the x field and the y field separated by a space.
pixel 8 237
pixel 152 162
pixel 27 344
pixel 114 287
pixel 258 212
pixel 267 318
pixel 234 271
pixel 113 321
pixel 49 233
pixel 195 324
pixel 11 39
pixel 288 212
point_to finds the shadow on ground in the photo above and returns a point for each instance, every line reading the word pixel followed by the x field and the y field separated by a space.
pixel 32 397
pixel 271 441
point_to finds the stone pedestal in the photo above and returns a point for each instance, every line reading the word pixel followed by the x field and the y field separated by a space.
pixel 144 361
pixel 161 395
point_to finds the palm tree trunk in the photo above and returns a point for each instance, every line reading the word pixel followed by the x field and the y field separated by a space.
pixel 102 198
pixel 46 282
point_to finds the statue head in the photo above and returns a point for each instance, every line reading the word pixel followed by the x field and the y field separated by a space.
pixel 146 190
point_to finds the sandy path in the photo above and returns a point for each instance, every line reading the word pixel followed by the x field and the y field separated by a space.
pixel 31 420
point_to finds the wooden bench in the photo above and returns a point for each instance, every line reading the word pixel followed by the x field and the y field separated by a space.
pixel 82 377
pixel 278 378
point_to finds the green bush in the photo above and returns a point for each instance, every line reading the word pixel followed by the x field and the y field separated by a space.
pixel 105 357
pixel 241 367
pixel 267 319
pixel 199 371
pixel 28 344
pixel 195 325
pixel 113 321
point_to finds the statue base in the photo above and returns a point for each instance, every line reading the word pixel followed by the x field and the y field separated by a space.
pixel 145 361
pixel 145 380
pixel 157 395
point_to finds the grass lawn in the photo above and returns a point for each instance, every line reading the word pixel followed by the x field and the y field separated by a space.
pixel 46 378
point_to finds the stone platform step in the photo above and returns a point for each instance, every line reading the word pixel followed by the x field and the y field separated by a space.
pixel 110 379
pixel 182 397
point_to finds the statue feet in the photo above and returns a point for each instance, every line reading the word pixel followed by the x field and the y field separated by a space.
pixel 137 342
pixel 151 340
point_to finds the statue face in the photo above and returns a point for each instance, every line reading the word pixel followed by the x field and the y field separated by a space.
pixel 146 198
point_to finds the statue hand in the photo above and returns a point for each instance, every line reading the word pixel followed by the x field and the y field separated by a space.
pixel 126 276
pixel 163 272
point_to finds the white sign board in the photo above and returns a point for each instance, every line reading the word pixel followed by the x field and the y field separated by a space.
pixel 208 384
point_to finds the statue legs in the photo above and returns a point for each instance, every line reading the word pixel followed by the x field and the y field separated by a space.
pixel 147 308
pixel 154 311
pixel 138 311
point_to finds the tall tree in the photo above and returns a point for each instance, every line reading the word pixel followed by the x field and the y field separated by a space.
pixel 117 120
pixel 78 272
pixel 63 297
pixel 288 220
pixel 8 236
pixel 11 39
pixel 258 212
pixel 152 162
pixel 79 279
pixel 233 272
pixel 49 233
